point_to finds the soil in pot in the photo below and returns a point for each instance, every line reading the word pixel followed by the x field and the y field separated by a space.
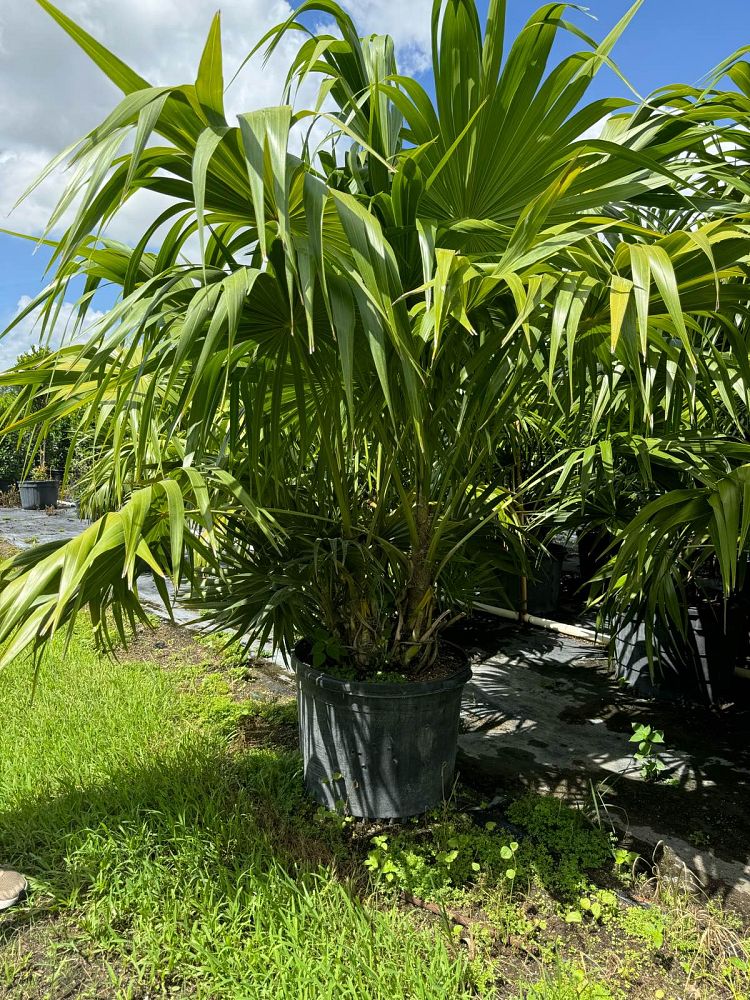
pixel 380 750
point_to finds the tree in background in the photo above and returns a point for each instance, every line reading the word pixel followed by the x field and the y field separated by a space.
pixel 50 447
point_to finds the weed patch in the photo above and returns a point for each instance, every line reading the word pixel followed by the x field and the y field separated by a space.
pixel 564 849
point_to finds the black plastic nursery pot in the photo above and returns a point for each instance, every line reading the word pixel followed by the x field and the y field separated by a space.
pixel 698 667
pixel 36 495
pixel 593 553
pixel 380 751
pixel 543 588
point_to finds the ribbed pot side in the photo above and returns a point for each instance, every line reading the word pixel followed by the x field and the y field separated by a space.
pixel 39 494
pixel 381 751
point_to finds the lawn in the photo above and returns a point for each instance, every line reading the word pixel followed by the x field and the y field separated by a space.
pixel 156 804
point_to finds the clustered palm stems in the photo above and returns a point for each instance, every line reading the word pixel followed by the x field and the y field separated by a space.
pixel 386 339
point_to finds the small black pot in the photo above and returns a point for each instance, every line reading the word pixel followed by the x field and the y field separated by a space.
pixel 36 495
pixel 381 751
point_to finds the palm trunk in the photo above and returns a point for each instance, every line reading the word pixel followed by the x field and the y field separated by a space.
pixel 420 598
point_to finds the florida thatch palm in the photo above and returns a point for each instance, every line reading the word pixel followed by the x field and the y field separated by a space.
pixel 308 423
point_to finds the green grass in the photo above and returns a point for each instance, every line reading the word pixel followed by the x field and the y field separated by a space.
pixel 167 858
pixel 185 869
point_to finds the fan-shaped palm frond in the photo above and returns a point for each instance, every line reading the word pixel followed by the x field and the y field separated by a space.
pixel 371 328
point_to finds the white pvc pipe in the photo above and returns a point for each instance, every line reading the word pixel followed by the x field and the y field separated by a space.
pixel 576 631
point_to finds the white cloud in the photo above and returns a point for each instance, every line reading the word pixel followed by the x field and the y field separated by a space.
pixel 408 22
pixel 52 94
pixel 19 166
pixel 28 333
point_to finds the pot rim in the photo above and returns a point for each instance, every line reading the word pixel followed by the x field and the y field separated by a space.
pixel 38 482
pixel 377 689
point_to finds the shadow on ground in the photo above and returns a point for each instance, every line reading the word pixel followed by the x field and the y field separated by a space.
pixel 543 711
pixel 207 816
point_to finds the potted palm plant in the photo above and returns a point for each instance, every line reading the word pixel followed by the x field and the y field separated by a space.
pixel 302 425
pixel 678 591
pixel 670 578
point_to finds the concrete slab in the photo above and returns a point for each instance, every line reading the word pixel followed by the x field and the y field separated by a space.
pixel 539 699
pixel 24 528
pixel 542 711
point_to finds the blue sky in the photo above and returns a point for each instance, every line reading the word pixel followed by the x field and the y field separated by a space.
pixel 669 41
